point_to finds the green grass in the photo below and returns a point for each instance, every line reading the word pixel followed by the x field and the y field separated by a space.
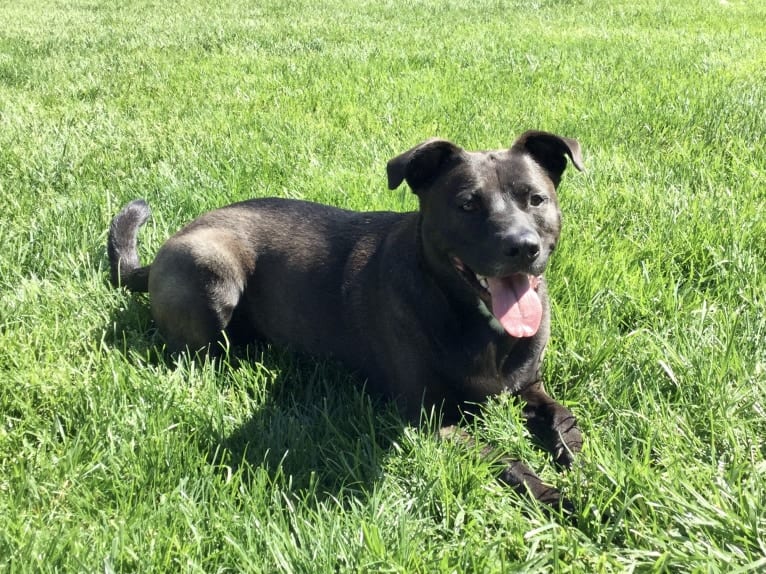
pixel 112 460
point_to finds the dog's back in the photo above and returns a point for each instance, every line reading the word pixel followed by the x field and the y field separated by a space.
pixel 284 270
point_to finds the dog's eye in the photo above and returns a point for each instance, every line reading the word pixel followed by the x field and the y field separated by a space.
pixel 537 199
pixel 469 204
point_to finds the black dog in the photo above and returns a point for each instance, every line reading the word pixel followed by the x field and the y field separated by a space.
pixel 441 307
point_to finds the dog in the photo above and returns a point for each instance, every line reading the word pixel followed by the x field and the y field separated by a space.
pixel 440 308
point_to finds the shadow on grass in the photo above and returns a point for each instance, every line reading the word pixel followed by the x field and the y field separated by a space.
pixel 317 433
pixel 314 430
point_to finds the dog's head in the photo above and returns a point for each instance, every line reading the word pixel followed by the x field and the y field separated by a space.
pixel 491 217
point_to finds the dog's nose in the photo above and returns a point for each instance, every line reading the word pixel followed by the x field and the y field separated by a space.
pixel 524 245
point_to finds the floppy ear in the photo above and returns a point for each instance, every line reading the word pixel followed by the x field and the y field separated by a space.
pixel 421 164
pixel 550 152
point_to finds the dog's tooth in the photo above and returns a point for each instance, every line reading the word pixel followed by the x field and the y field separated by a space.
pixel 482 281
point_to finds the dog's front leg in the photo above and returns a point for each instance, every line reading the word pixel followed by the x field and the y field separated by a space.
pixel 551 423
pixel 513 473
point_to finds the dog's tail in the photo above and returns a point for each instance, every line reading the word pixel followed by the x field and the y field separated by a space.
pixel 125 269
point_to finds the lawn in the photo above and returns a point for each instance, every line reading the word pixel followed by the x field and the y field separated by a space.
pixel 114 459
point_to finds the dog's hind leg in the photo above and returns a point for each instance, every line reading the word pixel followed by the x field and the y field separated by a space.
pixel 194 289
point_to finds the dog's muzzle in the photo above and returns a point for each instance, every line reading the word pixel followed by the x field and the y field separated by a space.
pixel 512 298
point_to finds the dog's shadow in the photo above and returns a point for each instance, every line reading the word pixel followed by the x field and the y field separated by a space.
pixel 314 431
pixel 312 428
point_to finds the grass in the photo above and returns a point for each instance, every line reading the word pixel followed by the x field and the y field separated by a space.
pixel 113 460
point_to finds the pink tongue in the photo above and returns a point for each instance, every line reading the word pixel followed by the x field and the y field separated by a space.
pixel 516 304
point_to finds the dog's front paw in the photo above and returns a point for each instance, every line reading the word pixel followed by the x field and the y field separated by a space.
pixel 569 442
pixel 523 480
pixel 553 425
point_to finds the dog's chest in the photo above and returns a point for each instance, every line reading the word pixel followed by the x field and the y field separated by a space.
pixel 482 361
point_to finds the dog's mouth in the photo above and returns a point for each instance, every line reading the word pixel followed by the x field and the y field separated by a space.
pixel 513 298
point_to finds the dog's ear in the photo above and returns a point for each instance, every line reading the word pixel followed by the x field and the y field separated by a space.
pixel 421 164
pixel 550 152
